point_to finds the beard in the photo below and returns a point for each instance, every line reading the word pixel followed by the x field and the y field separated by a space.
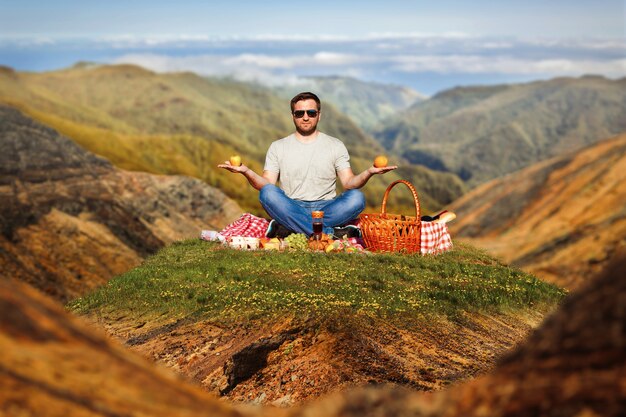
pixel 306 130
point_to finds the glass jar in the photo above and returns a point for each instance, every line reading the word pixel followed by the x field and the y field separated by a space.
pixel 318 224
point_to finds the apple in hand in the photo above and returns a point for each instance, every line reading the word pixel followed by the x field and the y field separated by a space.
pixel 235 160
pixel 380 161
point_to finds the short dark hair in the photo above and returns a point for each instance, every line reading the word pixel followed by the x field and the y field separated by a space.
pixel 306 95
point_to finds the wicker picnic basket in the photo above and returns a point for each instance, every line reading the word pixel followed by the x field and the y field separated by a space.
pixel 384 232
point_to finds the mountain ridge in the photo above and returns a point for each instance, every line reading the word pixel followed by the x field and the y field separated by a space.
pixel 70 220
pixel 483 132
pixel 181 123
pixel 367 103
pixel 561 219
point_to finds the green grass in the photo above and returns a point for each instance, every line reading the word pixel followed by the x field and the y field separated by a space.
pixel 205 279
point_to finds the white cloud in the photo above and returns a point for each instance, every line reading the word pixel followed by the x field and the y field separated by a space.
pixel 260 61
pixel 339 59
pixel 506 65
pixel 133 40
pixel 246 67
pixel 268 69
pixel 273 59
pixel 27 41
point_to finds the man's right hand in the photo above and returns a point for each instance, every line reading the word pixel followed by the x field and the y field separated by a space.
pixel 253 178
pixel 241 169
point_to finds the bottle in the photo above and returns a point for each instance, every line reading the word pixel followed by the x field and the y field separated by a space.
pixel 318 224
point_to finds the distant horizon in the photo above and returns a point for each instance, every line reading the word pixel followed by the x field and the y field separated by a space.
pixel 421 45
pixel 427 64
pixel 304 77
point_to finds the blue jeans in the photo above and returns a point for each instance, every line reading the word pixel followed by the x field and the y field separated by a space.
pixel 296 214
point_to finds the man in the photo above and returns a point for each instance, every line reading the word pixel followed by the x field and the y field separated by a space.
pixel 307 163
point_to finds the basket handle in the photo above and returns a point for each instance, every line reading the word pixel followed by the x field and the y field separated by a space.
pixel 383 208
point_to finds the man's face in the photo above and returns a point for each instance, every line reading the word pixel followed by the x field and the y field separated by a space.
pixel 306 125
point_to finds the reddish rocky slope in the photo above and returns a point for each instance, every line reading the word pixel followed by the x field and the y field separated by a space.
pixel 69 220
pixel 51 366
pixel 561 219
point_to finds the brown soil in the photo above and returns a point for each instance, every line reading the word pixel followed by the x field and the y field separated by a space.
pixel 561 220
pixel 287 361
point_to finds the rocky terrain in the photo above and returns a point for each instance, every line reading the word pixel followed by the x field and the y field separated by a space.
pixel 574 365
pixel 561 220
pixel 70 220
pixel 51 366
pixel 286 362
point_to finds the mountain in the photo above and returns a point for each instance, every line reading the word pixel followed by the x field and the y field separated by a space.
pixel 181 123
pixel 482 133
pixel 52 364
pixel 70 220
pixel 561 219
pixel 288 327
pixel 366 103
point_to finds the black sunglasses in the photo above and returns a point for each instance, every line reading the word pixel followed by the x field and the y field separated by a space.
pixel 298 114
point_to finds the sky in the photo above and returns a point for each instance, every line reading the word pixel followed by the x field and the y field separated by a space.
pixel 426 45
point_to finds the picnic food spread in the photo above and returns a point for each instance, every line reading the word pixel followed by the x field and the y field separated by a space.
pixel 249 233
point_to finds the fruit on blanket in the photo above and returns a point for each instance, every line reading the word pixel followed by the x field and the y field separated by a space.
pixel 334 246
pixel 320 244
pixel 235 160
pixel 297 241
pixel 317 245
pixel 270 244
pixel 380 161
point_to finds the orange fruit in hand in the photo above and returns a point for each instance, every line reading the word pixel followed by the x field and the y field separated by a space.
pixel 235 160
pixel 380 161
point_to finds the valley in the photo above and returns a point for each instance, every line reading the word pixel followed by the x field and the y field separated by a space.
pixel 108 174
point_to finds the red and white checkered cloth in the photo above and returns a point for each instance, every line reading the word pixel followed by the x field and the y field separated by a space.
pixel 248 225
pixel 435 238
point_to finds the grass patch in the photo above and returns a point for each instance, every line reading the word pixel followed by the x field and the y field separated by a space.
pixel 194 277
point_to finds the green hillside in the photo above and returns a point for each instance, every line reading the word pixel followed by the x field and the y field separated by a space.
pixel 204 280
pixel 181 123
pixel 481 133
pixel 244 323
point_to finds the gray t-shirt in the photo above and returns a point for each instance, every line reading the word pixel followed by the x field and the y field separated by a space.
pixel 308 171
